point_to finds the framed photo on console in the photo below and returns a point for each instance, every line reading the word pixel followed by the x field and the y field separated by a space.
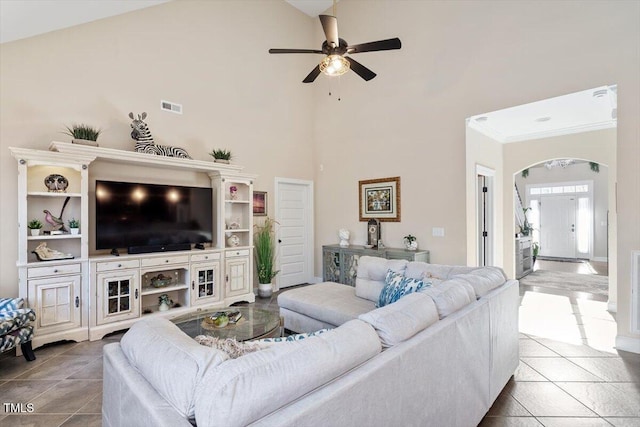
pixel 259 203
pixel 380 199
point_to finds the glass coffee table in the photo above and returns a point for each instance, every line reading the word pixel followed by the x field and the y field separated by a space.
pixel 255 323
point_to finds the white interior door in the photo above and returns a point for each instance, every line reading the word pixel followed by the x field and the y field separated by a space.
pixel 294 232
pixel 558 226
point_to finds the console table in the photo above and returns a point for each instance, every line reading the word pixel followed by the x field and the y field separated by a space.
pixel 340 264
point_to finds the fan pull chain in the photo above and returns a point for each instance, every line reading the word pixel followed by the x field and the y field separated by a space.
pixel 330 85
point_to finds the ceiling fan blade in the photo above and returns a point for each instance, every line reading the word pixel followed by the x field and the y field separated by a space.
pixel 389 44
pixel 294 51
pixel 360 69
pixel 312 75
pixel 330 27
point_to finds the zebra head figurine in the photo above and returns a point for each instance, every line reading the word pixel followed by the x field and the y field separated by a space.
pixel 145 143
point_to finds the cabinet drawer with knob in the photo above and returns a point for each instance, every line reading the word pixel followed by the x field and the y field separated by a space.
pixel 237 253
pixel 53 270
pixel 117 265
pixel 155 262
pixel 205 257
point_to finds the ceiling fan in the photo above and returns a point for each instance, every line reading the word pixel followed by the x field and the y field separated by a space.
pixel 335 50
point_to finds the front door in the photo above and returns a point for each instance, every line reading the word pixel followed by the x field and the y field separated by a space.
pixel 558 226
pixel 294 232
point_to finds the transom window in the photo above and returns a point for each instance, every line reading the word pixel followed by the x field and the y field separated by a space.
pixel 559 189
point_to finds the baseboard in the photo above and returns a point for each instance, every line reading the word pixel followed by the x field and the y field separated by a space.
pixel 630 344
pixel 600 259
pixel 612 307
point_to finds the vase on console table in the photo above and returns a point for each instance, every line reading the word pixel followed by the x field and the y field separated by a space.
pixel 265 290
pixel 344 235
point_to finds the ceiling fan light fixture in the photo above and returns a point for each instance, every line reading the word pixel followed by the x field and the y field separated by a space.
pixel 334 65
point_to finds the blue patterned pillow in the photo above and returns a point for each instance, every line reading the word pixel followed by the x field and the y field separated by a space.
pixel 291 338
pixel 396 286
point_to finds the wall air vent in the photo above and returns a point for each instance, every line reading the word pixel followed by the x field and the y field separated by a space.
pixel 172 107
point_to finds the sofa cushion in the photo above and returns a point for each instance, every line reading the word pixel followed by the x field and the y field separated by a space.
pixel 371 274
pixel 450 296
pixel 424 271
pixel 331 303
pixel 401 320
pixel 396 286
pixel 484 280
pixel 241 391
pixel 171 362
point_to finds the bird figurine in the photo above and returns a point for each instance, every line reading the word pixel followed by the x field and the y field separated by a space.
pixel 56 223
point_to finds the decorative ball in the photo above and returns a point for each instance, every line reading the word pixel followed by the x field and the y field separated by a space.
pixel 233 240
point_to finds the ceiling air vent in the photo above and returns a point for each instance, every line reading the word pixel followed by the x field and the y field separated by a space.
pixel 172 107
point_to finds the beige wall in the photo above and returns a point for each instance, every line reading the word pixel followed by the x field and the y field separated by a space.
pixel 458 59
pixel 484 151
pixel 212 57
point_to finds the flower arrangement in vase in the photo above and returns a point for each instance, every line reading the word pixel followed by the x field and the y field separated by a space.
pixel 410 242
pixel 233 192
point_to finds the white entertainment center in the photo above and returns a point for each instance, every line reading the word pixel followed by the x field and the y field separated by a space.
pixel 93 293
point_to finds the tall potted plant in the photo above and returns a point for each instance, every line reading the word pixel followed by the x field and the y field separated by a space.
pixel 265 255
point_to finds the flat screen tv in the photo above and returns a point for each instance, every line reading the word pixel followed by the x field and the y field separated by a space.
pixel 151 217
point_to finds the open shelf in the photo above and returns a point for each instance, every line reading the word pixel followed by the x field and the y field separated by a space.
pixel 164 290
pixel 54 236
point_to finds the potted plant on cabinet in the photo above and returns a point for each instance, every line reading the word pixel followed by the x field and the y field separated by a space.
pixel 83 134
pixel 264 253
pixel 221 156
pixel 74 226
pixel 411 242
pixel 35 225
pixel 164 302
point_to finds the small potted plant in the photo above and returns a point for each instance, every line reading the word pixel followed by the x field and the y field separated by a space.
pixel 83 134
pixel 535 250
pixel 74 226
pixel 35 225
pixel 265 255
pixel 164 302
pixel 221 156
pixel 411 242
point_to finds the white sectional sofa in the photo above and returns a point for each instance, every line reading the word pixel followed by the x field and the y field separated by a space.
pixel 438 357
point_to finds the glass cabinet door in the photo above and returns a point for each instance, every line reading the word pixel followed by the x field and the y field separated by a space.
pixel 119 294
pixel 205 282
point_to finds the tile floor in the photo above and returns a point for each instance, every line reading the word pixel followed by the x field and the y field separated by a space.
pixel 569 373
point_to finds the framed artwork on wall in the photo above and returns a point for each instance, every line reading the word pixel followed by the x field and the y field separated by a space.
pixel 259 203
pixel 380 199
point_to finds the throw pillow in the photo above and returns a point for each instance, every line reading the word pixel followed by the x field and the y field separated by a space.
pixel 230 346
pixel 396 286
pixel 291 338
